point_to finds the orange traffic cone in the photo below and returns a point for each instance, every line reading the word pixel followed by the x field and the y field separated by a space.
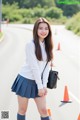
pixel 49 113
pixel 66 96
pixel 78 117
pixel 59 46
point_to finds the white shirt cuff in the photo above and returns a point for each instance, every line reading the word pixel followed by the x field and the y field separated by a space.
pixel 45 85
pixel 40 86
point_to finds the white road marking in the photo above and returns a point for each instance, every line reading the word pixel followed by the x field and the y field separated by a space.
pixel 74 97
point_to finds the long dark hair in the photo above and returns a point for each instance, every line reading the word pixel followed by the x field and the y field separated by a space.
pixel 48 40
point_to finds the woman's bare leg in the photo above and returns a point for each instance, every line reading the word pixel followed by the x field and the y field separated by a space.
pixel 22 107
pixel 41 105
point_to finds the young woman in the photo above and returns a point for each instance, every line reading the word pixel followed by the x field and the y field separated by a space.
pixel 28 83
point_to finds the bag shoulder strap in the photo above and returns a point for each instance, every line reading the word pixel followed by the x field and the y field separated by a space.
pixel 43 70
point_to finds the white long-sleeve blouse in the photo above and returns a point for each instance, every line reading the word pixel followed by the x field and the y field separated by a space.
pixel 32 69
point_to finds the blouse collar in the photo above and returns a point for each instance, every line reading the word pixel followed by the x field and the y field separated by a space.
pixel 42 43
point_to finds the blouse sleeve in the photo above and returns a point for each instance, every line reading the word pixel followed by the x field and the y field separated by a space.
pixel 33 63
pixel 46 74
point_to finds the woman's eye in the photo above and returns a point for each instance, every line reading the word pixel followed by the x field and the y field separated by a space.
pixel 43 28
pixel 46 29
pixel 40 28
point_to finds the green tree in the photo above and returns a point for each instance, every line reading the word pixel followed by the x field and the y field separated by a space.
pixel 68 10
pixel 31 3
pixel 54 12
pixel 11 12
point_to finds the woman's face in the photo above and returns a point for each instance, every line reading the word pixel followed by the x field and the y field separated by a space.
pixel 43 31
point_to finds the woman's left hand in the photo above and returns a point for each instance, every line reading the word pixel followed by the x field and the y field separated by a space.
pixel 45 89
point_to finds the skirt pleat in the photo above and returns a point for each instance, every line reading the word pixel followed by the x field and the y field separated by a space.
pixel 25 87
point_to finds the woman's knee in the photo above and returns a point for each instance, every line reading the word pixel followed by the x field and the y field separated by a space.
pixel 43 112
pixel 22 110
pixel 22 105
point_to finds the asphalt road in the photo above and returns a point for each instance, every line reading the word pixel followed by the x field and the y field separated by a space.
pixel 66 61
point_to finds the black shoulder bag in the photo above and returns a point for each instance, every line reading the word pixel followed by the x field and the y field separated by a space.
pixel 52 78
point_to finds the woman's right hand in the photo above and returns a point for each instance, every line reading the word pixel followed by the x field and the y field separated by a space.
pixel 41 92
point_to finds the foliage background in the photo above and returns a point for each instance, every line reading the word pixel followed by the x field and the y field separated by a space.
pixel 27 11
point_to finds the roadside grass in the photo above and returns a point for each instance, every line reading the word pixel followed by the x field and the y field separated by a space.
pixel 1 35
pixel 73 24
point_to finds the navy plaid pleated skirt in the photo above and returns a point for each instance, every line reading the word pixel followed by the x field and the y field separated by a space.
pixel 25 87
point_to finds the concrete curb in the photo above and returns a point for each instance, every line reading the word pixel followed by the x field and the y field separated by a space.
pixel 1 39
